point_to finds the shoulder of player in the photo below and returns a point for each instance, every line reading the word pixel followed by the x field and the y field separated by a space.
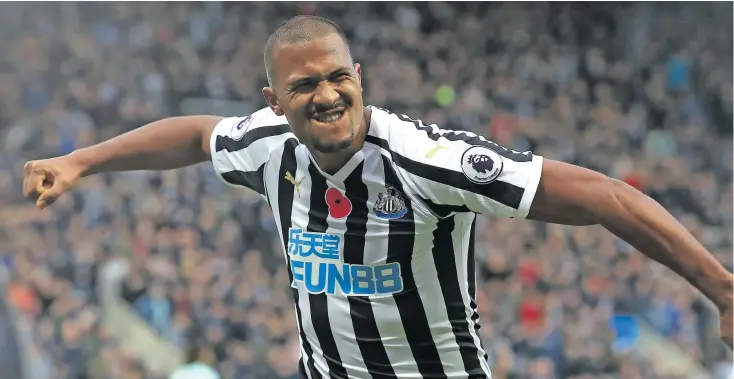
pixel 262 123
pixel 398 132
pixel 239 133
pixel 263 118
pixel 429 143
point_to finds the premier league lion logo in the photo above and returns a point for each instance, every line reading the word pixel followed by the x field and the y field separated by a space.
pixel 239 130
pixel 481 165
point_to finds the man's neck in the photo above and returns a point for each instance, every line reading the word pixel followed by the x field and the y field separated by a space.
pixel 333 162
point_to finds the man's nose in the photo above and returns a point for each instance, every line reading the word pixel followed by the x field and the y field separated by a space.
pixel 325 95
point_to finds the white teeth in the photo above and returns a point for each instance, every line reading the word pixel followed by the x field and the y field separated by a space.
pixel 330 117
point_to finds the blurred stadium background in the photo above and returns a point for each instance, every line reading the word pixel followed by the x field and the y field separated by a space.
pixel 135 274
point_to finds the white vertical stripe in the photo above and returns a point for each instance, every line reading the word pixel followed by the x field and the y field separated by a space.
pixel 387 316
pixel 429 290
pixel 299 219
pixel 271 181
pixel 461 237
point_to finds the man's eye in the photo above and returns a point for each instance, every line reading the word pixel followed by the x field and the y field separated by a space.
pixel 341 76
pixel 304 86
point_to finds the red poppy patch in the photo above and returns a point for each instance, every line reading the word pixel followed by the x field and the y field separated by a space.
pixel 339 205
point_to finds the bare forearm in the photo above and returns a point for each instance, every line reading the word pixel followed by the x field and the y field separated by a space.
pixel 166 144
pixel 646 225
pixel 573 195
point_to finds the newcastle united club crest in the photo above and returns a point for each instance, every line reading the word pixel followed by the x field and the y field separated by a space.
pixel 390 204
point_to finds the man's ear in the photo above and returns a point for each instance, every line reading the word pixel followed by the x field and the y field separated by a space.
pixel 272 100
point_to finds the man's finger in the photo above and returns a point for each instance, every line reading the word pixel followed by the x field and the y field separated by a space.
pixel 25 185
pixel 28 168
pixel 40 188
pixel 33 182
pixel 49 196
pixel 27 171
pixel 30 183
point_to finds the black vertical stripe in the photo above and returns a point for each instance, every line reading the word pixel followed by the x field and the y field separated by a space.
pixel 317 215
pixel 443 256
pixel 470 270
pixel 366 332
pixel 302 369
pixel 471 274
pixel 285 206
pixel 410 306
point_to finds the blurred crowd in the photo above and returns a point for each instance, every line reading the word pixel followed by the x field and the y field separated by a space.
pixel 639 91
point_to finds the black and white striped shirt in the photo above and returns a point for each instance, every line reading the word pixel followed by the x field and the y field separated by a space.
pixel 380 254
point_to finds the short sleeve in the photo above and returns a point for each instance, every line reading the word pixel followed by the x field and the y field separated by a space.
pixel 224 161
pixel 457 171
pixel 485 179
pixel 241 146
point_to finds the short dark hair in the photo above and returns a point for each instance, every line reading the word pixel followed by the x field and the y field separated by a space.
pixel 299 29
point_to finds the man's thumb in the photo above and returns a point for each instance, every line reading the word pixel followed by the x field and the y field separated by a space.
pixel 48 196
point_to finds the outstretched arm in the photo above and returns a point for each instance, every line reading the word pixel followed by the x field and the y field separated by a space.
pixel 456 171
pixel 239 148
pixel 166 144
pixel 572 195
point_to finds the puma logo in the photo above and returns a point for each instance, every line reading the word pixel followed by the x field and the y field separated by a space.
pixel 293 181
pixel 435 150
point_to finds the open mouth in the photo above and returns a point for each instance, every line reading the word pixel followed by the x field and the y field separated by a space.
pixel 328 117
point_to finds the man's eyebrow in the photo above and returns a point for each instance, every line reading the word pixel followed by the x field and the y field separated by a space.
pixel 305 80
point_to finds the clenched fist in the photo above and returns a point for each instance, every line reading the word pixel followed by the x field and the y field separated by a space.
pixel 50 178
